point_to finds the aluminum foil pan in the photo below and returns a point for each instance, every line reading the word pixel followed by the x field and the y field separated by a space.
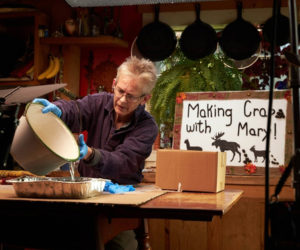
pixel 57 187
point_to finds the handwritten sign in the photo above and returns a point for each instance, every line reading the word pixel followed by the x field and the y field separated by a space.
pixel 234 123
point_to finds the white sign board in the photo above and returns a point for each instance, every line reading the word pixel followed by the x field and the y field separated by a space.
pixel 237 127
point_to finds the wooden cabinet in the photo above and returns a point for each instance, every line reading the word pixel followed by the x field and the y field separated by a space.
pixel 70 49
pixel 25 25
pixel 241 228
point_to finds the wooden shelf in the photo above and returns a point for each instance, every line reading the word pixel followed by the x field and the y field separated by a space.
pixel 17 22
pixel 101 41
pixel 19 14
pixel 4 84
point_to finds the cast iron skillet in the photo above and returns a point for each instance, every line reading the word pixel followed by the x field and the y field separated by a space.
pixel 240 39
pixel 156 41
pixel 282 31
pixel 198 39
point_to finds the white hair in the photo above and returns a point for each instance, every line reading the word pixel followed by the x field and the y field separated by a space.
pixel 142 69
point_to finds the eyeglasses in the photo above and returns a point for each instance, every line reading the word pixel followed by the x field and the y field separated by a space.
pixel 119 93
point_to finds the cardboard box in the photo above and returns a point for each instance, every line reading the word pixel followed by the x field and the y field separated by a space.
pixel 189 170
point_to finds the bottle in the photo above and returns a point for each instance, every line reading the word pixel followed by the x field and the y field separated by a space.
pixel 41 30
pixel 46 33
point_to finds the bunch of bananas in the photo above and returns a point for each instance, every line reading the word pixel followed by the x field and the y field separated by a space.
pixel 52 69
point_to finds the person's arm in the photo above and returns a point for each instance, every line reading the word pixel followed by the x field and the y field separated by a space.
pixel 125 163
pixel 80 114
pixel 120 160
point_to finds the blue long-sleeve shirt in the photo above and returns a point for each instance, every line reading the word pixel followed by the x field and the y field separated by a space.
pixel 123 152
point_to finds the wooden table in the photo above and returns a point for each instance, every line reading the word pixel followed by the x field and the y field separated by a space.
pixel 75 224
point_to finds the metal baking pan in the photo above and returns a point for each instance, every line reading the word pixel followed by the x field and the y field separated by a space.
pixel 57 187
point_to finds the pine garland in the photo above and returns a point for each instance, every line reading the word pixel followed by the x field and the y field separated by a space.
pixel 184 75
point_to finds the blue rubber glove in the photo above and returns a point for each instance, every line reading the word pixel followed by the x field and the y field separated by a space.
pixel 115 188
pixel 49 107
pixel 83 149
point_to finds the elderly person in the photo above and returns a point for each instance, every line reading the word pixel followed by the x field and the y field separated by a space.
pixel 120 131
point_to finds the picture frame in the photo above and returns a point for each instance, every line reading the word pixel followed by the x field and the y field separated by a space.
pixel 235 122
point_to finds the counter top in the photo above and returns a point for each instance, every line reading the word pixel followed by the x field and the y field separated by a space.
pixel 84 223
pixel 147 201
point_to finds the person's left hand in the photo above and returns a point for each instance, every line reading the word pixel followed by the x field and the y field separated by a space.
pixel 49 107
pixel 83 149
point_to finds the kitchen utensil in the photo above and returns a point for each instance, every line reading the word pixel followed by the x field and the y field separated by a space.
pixel 282 31
pixel 57 187
pixel 198 39
pixel 42 142
pixel 157 40
pixel 240 39
pixel 134 50
pixel 245 63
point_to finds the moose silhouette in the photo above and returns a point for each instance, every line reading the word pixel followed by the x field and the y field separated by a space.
pixel 226 145
pixel 258 153
pixel 189 147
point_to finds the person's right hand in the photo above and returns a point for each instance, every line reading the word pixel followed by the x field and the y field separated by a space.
pixel 82 147
pixel 49 107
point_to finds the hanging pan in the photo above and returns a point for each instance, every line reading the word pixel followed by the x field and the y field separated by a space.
pixel 282 30
pixel 245 63
pixel 198 39
pixel 240 39
pixel 134 51
pixel 157 40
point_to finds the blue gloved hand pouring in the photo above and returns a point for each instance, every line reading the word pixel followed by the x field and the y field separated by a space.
pixel 83 149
